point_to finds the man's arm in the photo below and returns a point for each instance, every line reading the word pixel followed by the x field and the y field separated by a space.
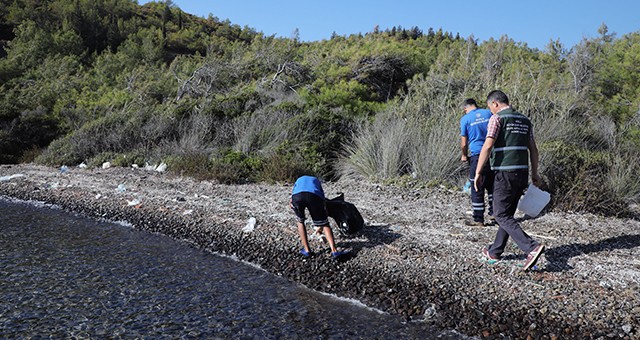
pixel 482 159
pixel 534 157
pixel 464 146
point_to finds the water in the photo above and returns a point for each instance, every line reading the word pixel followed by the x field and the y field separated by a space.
pixel 63 275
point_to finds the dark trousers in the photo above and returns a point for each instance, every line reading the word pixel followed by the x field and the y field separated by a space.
pixel 477 197
pixel 508 187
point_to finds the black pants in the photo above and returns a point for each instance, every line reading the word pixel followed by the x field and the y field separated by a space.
pixel 508 187
pixel 477 197
pixel 316 206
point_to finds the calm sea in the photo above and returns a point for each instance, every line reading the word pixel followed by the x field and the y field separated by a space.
pixel 63 275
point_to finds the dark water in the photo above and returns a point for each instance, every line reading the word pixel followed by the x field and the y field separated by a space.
pixel 63 275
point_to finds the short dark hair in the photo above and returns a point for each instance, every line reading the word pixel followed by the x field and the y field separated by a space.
pixel 469 101
pixel 498 96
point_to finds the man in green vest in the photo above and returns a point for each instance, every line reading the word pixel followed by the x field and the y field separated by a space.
pixel 511 145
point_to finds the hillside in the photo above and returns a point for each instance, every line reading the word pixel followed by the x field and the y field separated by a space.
pixel 95 81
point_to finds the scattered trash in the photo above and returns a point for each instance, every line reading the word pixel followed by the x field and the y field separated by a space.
pixel 133 202
pixel 430 313
pixel 251 224
pixel 135 166
pixel 98 196
pixel 10 177
pixel 64 169
pixel 467 188
pixel 187 212
pixel 106 165
pixel 162 167
pixel 82 166
pixel 121 188
pixel 159 168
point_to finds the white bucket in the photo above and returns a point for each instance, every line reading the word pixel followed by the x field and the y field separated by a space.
pixel 533 201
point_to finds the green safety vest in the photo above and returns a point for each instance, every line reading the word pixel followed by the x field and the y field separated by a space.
pixel 511 148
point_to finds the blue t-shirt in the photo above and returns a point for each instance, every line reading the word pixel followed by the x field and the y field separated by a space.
pixel 308 184
pixel 473 125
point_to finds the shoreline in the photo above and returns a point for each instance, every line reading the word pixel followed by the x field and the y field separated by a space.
pixel 415 257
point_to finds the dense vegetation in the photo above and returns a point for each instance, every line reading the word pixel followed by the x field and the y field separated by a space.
pixel 110 80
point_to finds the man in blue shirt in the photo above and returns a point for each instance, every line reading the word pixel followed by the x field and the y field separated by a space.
pixel 308 194
pixel 473 131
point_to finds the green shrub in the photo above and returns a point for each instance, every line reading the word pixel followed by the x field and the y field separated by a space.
pixel 195 165
pixel 234 167
pixel 228 167
pixel 101 158
pixel 30 155
pixel 130 158
pixel 578 179
pixel 60 152
pixel 292 160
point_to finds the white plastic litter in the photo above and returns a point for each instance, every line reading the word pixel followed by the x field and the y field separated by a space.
pixel 533 201
pixel 121 188
pixel 133 202
pixel 149 167
pixel 82 166
pixel 98 196
pixel 64 169
pixel 161 168
pixel 106 165
pixel 251 225
pixel 187 212
pixel 10 177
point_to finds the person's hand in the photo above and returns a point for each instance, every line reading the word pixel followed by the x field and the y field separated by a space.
pixel 477 182
pixel 537 180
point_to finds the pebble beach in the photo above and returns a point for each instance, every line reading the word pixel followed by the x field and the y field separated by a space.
pixel 414 258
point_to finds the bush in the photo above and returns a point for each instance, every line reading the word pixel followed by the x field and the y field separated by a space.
pixel 235 167
pixel 291 161
pixel 228 167
pixel 194 165
pixel 325 131
pixel 578 179
pixel 128 159
pixel 101 158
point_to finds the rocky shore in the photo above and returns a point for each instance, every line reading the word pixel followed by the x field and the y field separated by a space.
pixel 415 257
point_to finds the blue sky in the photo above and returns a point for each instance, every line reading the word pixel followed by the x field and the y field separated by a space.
pixel 533 22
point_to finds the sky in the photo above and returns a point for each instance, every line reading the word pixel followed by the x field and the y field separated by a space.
pixel 534 22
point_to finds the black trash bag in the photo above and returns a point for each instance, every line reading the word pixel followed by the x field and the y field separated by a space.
pixel 345 214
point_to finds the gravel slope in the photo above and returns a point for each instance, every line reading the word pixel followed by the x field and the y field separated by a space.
pixel 415 257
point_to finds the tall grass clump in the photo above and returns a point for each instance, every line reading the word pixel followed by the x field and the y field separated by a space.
pixel 378 149
pixel 413 136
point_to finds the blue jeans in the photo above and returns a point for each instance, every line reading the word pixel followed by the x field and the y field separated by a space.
pixel 477 197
